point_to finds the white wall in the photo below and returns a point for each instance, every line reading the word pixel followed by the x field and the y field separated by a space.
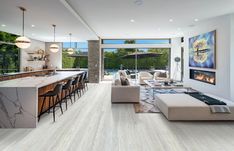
pixel 222 26
pixel 231 58
pixel 55 59
pixel 175 52
pixel 24 57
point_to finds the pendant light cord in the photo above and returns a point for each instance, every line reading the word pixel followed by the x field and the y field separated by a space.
pixel 23 22
pixel 54 31
pixel 70 39
pixel 23 10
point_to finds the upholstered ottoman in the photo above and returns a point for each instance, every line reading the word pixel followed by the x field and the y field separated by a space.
pixel 184 107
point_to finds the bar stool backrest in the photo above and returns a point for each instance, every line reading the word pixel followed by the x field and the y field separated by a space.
pixel 75 81
pixel 68 84
pixel 81 77
pixel 58 89
pixel 85 75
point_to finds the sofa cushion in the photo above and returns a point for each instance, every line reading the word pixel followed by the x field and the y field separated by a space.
pixel 122 73
pixel 117 82
pixel 162 74
pixel 124 81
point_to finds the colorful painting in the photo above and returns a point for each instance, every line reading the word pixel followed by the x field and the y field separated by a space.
pixel 202 50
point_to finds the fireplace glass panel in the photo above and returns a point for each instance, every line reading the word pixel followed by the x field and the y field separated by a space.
pixel 203 76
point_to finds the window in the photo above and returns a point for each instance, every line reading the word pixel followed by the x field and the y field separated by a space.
pixel 9 53
pixel 136 41
pixel 79 59
pixel 148 59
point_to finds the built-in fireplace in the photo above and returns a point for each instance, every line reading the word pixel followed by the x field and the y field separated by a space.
pixel 203 76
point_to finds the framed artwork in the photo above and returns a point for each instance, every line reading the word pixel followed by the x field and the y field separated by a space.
pixel 202 50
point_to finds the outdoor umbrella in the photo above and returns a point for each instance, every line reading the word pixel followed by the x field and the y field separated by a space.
pixel 138 55
pixel 79 55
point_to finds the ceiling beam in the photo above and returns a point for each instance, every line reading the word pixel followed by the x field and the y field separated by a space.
pixel 78 16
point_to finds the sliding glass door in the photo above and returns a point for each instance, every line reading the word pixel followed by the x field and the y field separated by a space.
pixel 135 60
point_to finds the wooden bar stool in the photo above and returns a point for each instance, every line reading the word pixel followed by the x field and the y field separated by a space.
pixel 54 96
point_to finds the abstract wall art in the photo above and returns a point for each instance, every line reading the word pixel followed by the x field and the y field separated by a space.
pixel 202 49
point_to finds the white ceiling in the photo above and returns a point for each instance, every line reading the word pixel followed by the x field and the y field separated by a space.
pixel 42 14
pixel 109 18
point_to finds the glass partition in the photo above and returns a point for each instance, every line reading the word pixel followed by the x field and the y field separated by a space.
pixel 136 41
pixel 79 58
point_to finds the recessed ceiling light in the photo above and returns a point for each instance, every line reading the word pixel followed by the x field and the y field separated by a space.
pixel 132 20
pixel 196 20
pixel 159 29
pixel 170 20
pixel 33 34
pixel 138 2
pixel 32 25
pixel 192 25
pixel 3 25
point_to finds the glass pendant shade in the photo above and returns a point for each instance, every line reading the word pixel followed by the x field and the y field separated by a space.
pixel 22 42
pixel 54 48
pixel 70 51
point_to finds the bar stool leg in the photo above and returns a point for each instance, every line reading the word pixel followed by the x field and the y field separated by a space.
pixel 54 104
pixel 60 103
pixel 41 109
pixel 74 91
pixel 66 98
pixel 70 95
pixel 49 105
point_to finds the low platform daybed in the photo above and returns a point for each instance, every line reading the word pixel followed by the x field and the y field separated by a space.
pixel 184 107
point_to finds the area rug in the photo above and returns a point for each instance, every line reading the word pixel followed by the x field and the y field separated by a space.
pixel 147 103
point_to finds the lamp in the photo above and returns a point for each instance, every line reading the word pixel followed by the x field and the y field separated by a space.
pixel 70 51
pixel 54 47
pixel 22 41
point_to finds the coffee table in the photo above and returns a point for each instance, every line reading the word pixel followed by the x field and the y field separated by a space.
pixel 160 85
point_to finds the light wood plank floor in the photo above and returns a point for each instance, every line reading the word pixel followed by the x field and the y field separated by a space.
pixel 94 124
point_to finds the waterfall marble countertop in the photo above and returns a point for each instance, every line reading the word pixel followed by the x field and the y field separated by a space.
pixel 19 99
pixel 39 81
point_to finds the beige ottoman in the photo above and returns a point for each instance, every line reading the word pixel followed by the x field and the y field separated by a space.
pixel 184 107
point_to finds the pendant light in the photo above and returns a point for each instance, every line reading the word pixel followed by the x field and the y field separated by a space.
pixel 54 47
pixel 70 51
pixel 22 41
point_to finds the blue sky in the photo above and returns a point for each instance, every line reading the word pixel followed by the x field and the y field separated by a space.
pixel 81 45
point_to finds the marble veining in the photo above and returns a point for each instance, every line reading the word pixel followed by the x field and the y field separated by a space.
pixel 19 99
pixel 15 110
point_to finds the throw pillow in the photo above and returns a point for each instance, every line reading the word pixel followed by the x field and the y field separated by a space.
pixel 124 81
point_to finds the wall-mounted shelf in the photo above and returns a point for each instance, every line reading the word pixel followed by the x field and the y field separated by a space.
pixel 38 56
pixel 37 60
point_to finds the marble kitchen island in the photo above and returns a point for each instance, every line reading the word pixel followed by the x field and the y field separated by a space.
pixel 19 98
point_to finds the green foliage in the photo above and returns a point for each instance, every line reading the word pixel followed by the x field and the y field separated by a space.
pixel 67 61
pixel 7 37
pixel 74 62
pixel 113 60
pixel 9 58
